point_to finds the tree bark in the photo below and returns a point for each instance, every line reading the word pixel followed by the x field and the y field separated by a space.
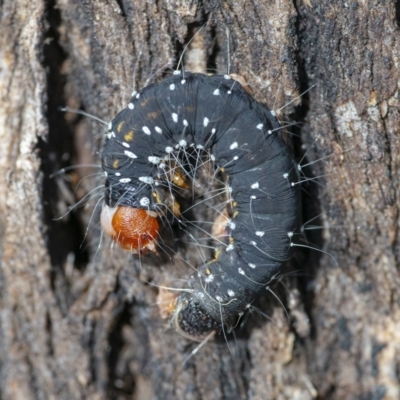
pixel 80 321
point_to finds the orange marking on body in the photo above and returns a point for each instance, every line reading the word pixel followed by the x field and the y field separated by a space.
pixel 129 135
pixel 153 114
pixel 120 125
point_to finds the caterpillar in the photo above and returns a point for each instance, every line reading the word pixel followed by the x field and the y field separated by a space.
pixel 148 144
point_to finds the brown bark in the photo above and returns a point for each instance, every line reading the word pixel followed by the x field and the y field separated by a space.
pixel 80 321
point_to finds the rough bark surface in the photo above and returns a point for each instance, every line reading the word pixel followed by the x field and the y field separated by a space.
pixel 80 322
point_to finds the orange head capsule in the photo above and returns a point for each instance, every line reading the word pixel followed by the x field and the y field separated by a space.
pixel 134 229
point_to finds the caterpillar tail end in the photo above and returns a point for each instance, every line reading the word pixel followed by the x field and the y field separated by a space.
pixel 186 316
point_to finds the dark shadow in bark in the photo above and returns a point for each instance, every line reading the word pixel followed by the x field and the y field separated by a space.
pixel 64 236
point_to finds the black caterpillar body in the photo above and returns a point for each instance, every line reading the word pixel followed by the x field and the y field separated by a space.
pixel 214 114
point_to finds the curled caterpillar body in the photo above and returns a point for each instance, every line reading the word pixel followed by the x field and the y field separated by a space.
pixel 191 113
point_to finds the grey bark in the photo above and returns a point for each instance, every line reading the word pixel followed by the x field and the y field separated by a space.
pixel 80 321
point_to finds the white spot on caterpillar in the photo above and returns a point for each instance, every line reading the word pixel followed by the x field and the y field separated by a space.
pixel 253 243
pixel 185 122
pixel 205 121
pixel 253 197
pixel 169 149
pixel 241 272
pixel 146 179
pixel 146 130
pixel 269 132
pixel 233 146
pixel 230 247
pixel 144 201
pixel 154 160
pixel 182 143
pixel 109 126
pixel 251 265
pixel 260 233
pixel 273 113
pixel 172 86
pixel 232 225
pixel 125 180
pixel 118 174
pixel 131 106
pixel 130 154
pixel 227 77
pixel 174 117
pixel 213 130
pixel 290 234
pixel 183 81
pixel 177 72
pixel 231 293
pixel 255 185
pixel 260 126
pixel 216 92
pixel 286 175
pixel 209 278
pixel 158 129
pixel 125 144
pixel 218 298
